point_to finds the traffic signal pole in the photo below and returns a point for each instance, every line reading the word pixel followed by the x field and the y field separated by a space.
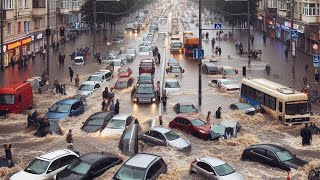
pixel 200 57
pixel 48 36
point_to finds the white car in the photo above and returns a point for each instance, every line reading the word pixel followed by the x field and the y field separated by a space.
pixel 171 85
pixel 129 26
pixel 117 125
pixel 78 61
pixel 96 78
pixel 225 84
pixel 106 73
pixel 46 166
pixel 117 63
pixel 88 87
pixel 144 51
pixel 131 54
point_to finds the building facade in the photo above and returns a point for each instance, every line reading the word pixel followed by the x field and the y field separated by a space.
pixel 25 24
pixel 274 17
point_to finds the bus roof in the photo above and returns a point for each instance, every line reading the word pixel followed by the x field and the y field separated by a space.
pixel 275 89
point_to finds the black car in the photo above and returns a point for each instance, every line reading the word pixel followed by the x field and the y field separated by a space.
pixel 272 155
pixel 210 68
pixel 185 108
pixel 88 166
pixel 97 121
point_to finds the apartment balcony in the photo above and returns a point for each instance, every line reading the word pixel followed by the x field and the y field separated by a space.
pixel 282 13
pixel 310 19
pixel 39 12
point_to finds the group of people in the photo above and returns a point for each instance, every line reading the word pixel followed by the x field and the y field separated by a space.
pixel 22 61
pixel 76 79
pixel 307 132
pixel 218 115
pixel 61 59
pixel 41 123
pixel 83 51
pixel 108 103
pixel 156 55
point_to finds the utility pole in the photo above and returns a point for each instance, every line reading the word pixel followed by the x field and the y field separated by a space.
pixel 48 36
pixel 2 41
pixel 200 57
pixel 94 25
pixel 249 35
pixel 293 42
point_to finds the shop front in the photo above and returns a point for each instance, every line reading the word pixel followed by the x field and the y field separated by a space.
pixel 37 44
pixel 17 48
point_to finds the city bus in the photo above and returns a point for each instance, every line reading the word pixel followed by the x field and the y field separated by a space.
pixel 285 104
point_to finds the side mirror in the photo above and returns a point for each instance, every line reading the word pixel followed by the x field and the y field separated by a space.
pixel 49 171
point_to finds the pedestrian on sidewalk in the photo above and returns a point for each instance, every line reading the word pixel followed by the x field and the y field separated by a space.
pixel 208 117
pixel 218 113
pixel 252 39
pixel 160 120
pixel 71 73
pixel 164 100
pixel 105 93
pixel 286 52
pixel 117 107
pixel 77 80
pixel 63 58
pixel 219 51
pixel 8 154
pixel 158 85
pixel 306 135
pixel 264 38
pixel 69 140
pixel 306 67
pixel 213 42
pixel 207 36
pixel 158 95
pixel 60 59
pixel 158 57
pixel 305 80
pixel 216 50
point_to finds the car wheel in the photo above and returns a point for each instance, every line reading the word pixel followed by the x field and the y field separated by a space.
pixel 192 172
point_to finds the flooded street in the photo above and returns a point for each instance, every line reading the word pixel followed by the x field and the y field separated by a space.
pixel 259 128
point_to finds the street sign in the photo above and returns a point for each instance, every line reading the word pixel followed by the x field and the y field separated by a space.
pixel 197 54
pixel 316 60
pixel 294 33
pixel 217 25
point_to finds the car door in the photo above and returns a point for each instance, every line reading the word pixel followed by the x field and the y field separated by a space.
pixel 187 126
pixel 73 111
pixel 160 139
pixel 78 108
pixel 129 140
pixel 205 170
pixel 272 159
pixel 97 86
pixel 149 137
pixel 129 121
pixel 154 171
pixel 54 168
pixel 258 155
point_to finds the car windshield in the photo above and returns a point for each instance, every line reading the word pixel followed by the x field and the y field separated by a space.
pixel 224 169
pixel 197 122
pixel 296 108
pixel 145 90
pixel 6 99
pixel 78 60
pixel 96 122
pixel 122 84
pixel 229 71
pixel 212 68
pixel 173 62
pixel 130 172
pixel 143 78
pixel 163 21
pixel 187 109
pixel 86 87
pixel 116 124
pixel 79 167
pixel 95 78
pixel 60 108
pixel 130 51
pixel 116 63
pixel 172 84
pixel 171 135
pixel 37 166
pixel 123 70
pixel 284 155
pixel 218 129
pixel 177 44
pixel 175 70
pixel 144 49
pixel 146 64
pixel 227 82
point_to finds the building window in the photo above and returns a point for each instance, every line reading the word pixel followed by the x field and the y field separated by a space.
pixel 310 9
pixel 281 5
pixel 64 4
pixel 39 3
pixel 36 23
pixel 9 29
pixel 8 4
pixel 26 27
pixel 272 4
pixel 21 4
pixel 19 27
pixel 288 5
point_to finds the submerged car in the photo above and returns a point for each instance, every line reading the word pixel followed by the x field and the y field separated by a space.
pixel 160 136
pixel 123 82
pixel 65 108
pixel 124 72
pixel 214 168
pixel 88 87
pixel 145 78
pixel 147 66
pixel 175 46
pixel 272 155
pixel 246 108
pixel 210 68
pixel 175 70
pixel 89 166
pixel 79 61
pixel 99 78
pixel 185 108
pixel 131 54
pixel 225 84
pixel 171 85
pixel 144 93
pixel 144 51
pixel 97 121
pixel 107 74
pixel 173 62
pixel 117 125
pixel 225 129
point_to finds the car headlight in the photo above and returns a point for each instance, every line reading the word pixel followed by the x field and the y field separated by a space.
pixel 202 131
pixel 135 99
pixel 153 99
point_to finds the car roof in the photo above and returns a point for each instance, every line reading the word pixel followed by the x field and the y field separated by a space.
pixel 212 161
pixel 171 80
pixel 142 160
pixel 97 74
pixel 160 129
pixel 224 80
pixel 175 41
pixel 121 116
pixel 227 67
pixel 95 156
pixel 78 57
pixel 89 83
pixel 272 147
pixel 103 71
pixel 56 154
pixel 211 64
pixel 67 101
pixel 145 74
pixel 124 79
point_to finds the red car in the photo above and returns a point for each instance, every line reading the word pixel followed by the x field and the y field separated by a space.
pixel 123 82
pixel 192 125
pixel 147 66
pixel 124 72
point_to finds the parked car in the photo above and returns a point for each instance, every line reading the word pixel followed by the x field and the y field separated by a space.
pixel 46 166
pixel 117 125
pixel 185 108
pixel 191 125
pixel 123 82
pixel 81 98
pixel 175 70
pixel 89 166
pixel 123 58
pixel 88 87
pixel 225 129
pixel 214 168
pixel 162 35
pixel 159 136
pixel 246 108
pixel 107 75
pixel 175 46
pixel 65 108
pixel 124 72
pixel 144 93
pixel 145 78
pixel 97 121
pixel 142 166
pixel 225 84
pixel 210 68
pixel 171 85
pixel 37 84
pixel 272 155
pixel 118 39
pixel 78 61
pixel 173 62
pixel 144 50
pixel 98 78
pixel 131 54
pixel 227 71
pixel 147 66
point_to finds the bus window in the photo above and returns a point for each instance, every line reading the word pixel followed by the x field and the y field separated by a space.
pixel 280 106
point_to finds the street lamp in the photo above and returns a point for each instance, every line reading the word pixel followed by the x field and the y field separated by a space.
pixel 249 49
pixel 200 58
pixel 2 43
pixel 95 19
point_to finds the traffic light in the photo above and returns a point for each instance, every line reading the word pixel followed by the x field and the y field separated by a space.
pixel 61 31
pixel 48 32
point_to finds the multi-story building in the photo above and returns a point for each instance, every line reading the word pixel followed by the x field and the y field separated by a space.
pixel 274 17
pixel 25 24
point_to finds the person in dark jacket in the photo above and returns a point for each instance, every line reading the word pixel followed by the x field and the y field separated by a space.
pixel 69 140
pixel 218 113
pixel 71 73
pixel 164 100
pixel 306 135
pixel 105 93
pixel 117 107
pixel 314 129
pixel 8 154
pixel 159 56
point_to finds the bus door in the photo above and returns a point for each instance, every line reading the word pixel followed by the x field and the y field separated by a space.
pixel 280 111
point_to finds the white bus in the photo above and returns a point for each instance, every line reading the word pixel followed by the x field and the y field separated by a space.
pixel 283 103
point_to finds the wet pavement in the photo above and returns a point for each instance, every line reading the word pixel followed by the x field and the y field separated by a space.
pixel 260 128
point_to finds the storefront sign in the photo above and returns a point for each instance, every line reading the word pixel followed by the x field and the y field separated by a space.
pixel 39 36
pixel 295 26
pixel 18 43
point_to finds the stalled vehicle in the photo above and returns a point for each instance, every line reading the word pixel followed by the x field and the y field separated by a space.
pixel 131 54
pixel 210 68
pixel 171 85
pixel 227 71
pixel 117 125
pixel 225 129
pixel 246 108
pixel 177 71
pixel 144 50
pixel 79 61
pixel 147 66
pixel 124 72
pixel 145 78
pixel 123 82
pixel 144 93
pixel 185 108
pixel 175 46
pixel 173 62
pixel 88 87
pixel 97 78
pixel 97 121
pixel 107 75
pixel 225 84
pixel 65 108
